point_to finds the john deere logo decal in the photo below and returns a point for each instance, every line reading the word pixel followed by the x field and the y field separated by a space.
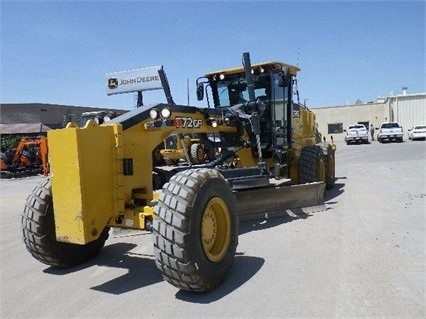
pixel 112 83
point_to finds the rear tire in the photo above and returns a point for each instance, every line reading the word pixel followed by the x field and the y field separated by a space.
pixel 38 229
pixel 311 165
pixel 197 153
pixel 195 230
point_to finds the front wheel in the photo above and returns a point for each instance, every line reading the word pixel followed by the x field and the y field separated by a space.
pixel 38 229
pixel 196 230
pixel 328 155
pixel 312 167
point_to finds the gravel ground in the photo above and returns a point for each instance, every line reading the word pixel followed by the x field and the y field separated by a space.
pixel 364 256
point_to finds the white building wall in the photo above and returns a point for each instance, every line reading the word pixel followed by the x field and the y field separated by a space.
pixel 408 110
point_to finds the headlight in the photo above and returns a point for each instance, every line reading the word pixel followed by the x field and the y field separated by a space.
pixel 106 118
pixel 214 124
pixel 153 114
pixel 165 113
pixel 221 76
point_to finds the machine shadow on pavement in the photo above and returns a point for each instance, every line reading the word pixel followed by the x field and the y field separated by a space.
pixel 331 194
pixel 142 270
pixel 245 267
pixel 280 218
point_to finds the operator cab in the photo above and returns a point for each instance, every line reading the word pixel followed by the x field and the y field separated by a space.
pixel 272 92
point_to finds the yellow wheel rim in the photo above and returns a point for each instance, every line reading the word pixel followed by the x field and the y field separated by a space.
pixel 331 166
pixel 321 171
pixel 200 154
pixel 215 229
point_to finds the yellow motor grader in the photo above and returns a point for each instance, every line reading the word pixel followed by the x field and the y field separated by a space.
pixel 103 176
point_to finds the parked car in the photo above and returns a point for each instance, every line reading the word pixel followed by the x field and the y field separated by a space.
pixel 356 133
pixel 417 132
pixel 390 131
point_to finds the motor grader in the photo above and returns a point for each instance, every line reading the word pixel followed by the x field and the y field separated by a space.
pixel 103 176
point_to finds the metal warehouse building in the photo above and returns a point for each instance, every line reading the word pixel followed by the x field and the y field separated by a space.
pixel 406 109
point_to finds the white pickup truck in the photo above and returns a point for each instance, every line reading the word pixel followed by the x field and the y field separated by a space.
pixel 356 134
pixel 390 131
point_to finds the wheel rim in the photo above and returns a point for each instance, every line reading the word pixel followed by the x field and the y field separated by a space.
pixel 331 166
pixel 215 229
pixel 321 171
pixel 200 154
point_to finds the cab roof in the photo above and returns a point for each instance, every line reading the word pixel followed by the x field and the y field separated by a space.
pixel 292 68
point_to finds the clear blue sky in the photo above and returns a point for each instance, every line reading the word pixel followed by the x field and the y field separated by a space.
pixel 59 52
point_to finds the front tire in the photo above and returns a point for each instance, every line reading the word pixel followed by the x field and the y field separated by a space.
pixel 311 165
pixel 196 230
pixel 38 230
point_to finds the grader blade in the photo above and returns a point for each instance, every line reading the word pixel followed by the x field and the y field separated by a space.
pixel 280 201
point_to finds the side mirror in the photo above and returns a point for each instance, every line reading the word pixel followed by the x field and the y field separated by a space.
pixel 200 91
